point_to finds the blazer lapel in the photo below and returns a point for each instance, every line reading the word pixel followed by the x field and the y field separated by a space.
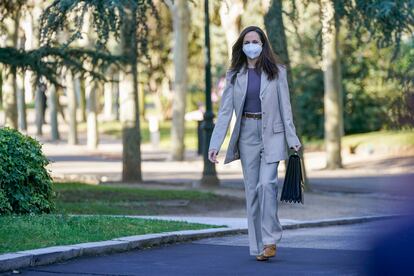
pixel 264 82
pixel 242 78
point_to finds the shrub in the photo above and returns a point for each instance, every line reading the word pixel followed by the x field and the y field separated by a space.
pixel 5 207
pixel 25 184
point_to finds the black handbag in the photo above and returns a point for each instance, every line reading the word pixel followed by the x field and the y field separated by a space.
pixel 293 185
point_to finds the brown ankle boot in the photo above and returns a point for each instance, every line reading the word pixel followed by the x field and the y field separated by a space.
pixel 269 250
pixel 262 257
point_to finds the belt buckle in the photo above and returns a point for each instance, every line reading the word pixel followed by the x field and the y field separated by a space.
pixel 255 116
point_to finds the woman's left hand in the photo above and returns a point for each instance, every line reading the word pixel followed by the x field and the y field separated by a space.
pixel 296 147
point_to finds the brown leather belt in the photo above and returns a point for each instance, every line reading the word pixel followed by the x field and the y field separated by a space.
pixel 256 116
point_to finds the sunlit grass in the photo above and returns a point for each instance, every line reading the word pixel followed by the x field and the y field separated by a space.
pixel 79 198
pixel 384 138
pixel 26 232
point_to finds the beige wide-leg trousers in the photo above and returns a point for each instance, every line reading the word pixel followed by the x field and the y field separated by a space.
pixel 260 181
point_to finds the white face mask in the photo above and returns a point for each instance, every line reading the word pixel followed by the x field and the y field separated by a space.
pixel 252 50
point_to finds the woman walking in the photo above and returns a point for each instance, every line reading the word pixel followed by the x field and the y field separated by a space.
pixel 257 90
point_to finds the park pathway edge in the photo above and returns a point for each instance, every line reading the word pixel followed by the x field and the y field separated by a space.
pixel 54 254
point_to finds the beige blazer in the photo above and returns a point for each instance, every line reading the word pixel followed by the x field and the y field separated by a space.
pixel 277 122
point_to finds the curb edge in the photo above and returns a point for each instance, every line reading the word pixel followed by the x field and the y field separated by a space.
pixel 54 254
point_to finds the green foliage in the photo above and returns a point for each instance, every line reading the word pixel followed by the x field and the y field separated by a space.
pixel 401 112
pixel 377 92
pixel 25 184
pixel 9 8
pixel 108 17
pixel 48 61
pixel 5 207
pixel 309 98
pixel 364 104
pixel 386 21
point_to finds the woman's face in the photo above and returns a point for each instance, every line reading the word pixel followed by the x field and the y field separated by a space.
pixel 252 37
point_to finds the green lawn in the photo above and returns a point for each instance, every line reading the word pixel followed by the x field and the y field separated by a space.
pixel 30 232
pixel 37 231
pixel 78 198
pixel 384 138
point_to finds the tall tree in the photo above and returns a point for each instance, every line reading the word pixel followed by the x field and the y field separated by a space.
pixel 53 112
pixel 276 31
pixel 125 20
pixel 91 91
pixel 80 92
pixel 230 18
pixel 91 88
pixel 181 26
pixel 40 106
pixel 110 18
pixel 332 85
pixel 71 96
pixel 20 85
pixel 9 78
pixel 384 21
pixel 131 138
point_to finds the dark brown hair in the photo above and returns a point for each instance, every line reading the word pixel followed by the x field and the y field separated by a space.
pixel 267 60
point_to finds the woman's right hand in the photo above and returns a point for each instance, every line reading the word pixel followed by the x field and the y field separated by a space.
pixel 212 156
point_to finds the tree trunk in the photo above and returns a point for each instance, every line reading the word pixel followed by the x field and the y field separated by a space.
pixel 9 97
pixel 330 60
pixel 29 86
pixel 21 92
pixel 21 103
pixel 80 92
pixel 53 109
pixel 71 95
pixel 109 113
pixel 181 25
pixel 91 88
pixel 111 97
pixel 276 31
pixel 131 136
pixel 115 94
pixel 230 17
pixel 131 171
pixel 39 108
pixel 9 78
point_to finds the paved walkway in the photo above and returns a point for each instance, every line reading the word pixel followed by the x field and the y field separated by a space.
pixel 335 250
pixel 381 171
pixel 370 184
pixel 379 174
